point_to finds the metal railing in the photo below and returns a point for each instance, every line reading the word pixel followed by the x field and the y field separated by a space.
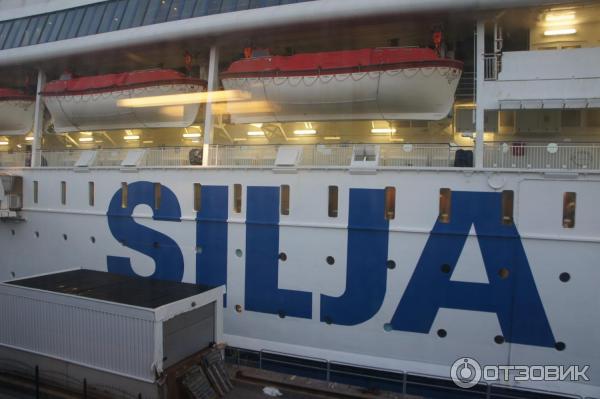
pixel 382 379
pixel 491 64
pixel 517 155
pixel 507 155
pixel 14 159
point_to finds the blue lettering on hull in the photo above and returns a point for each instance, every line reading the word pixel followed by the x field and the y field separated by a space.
pixel 211 237
pixel 514 298
pixel 262 259
pixel 367 251
pixel 165 252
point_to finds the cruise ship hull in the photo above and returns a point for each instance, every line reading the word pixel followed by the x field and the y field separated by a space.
pixel 411 315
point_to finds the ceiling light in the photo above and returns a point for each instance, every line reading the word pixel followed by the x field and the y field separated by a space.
pixel 559 32
pixel 239 139
pixel 383 130
pixel 191 135
pixel 332 138
pixel 147 141
pixel 29 138
pixel 131 137
pixel 185 98
pixel 3 142
pixel 85 133
pixel 257 125
pixel 305 132
pixel 560 17
pixel 256 133
pixel 86 139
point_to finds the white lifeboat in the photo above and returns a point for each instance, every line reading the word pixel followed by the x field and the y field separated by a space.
pixel 371 84
pixel 90 103
pixel 16 112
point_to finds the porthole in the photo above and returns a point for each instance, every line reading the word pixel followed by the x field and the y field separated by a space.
pixel 239 253
pixel 198 249
pixel 442 333
pixel 560 346
pixel 503 273
pixel 283 256
pixel 328 320
pixel 13 232
pixel 499 339
pixel 65 237
pixel 330 260
pixel 387 327
pixel 155 244
pixel 238 308
pixel 391 264
pixel 37 234
pixel 281 314
pixel 564 277
pixel 93 239
pixel 446 268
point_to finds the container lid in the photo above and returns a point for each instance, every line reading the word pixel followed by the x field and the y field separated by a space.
pixel 117 288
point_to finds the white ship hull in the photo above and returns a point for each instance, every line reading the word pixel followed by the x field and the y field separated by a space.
pixel 424 93
pixel 55 238
pixel 16 117
pixel 100 111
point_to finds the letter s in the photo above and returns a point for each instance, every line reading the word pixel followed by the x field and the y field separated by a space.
pixel 165 252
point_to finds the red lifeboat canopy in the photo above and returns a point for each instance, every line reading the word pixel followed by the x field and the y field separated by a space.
pixel 117 82
pixel 14 94
pixel 378 59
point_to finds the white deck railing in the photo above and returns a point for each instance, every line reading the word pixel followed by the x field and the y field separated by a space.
pixel 564 156
pixel 569 156
pixel 13 159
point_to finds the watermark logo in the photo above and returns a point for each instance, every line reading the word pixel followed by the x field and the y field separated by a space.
pixel 466 372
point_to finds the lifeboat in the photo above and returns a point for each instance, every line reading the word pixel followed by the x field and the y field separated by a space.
pixel 381 83
pixel 16 112
pixel 92 102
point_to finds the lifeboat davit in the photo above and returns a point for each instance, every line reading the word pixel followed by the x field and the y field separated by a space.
pixel 381 83
pixel 16 112
pixel 91 103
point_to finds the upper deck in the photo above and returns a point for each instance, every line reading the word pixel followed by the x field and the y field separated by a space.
pixel 527 97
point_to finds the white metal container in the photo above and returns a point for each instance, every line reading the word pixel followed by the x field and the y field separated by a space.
pixel 109 335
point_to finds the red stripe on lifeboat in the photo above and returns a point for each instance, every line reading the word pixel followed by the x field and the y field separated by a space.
pixel 117 82
pixel 13 94
pixel 332 62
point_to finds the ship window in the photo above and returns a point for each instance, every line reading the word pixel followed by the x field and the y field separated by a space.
pixel 4 30
pixel 35 191
pixel 237 198
pixel 124 192
pixel 157 195
pixel 333 202
pixel 107 18
pixel 508 199
pixel 56 27
pixel 390 203
pixel 569 205
pixel 91 20
pixel 285 199
pixel 445 203
pixel 15 33
pixel 33 30
pixel 197 196
pixel 71 27
pixel 163 11
pixel 134 13
pixel 177 8
pixel 151 12
pixel 63 192
pixel 187 9
pixel 91 193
